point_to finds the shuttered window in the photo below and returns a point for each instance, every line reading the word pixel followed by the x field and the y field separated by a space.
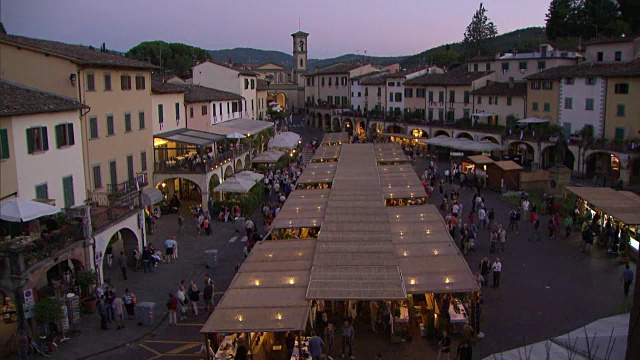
pixel 4 144
pixel 67 191
pixel 37 139
pixel 64 135
pixel 97 177
pixel 42 191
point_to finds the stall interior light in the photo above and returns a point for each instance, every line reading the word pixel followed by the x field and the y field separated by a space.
pixel 270 255
pixel 412 281
pixel 405 254
pixel 279 316
pixel 257 282
pixel 292 281
pixel 240 318
pixel 428 231
pixel 447 280
pixel 435 252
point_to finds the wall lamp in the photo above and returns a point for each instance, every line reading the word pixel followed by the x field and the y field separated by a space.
pixel 72 78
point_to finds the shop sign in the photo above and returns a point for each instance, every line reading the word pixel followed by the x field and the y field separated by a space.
pixel 456 153
pixel 29 309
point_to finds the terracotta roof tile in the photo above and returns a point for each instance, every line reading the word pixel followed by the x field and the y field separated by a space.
pixel 161 87
pixel 235 67
pixel 197 93
pixel 611 40
pixel 457 76
pixel 339 68
pixel 630 69
pixel 377 79
pixel 18 100
pixel 77 53
pixel 262 84
pixel 519 88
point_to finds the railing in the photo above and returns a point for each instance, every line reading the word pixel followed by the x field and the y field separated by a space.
pixel 199 166
pixel 119 209
pixel 139 181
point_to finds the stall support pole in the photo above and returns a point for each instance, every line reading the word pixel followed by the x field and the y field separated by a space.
pixel 300 344
pixel 206 345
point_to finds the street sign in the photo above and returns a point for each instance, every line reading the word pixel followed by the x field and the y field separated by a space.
pixel 29 309
pixel 28 295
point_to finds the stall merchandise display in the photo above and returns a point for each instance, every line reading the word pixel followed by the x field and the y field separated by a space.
pixel 457 312
pixel 228 348
pixel 304 345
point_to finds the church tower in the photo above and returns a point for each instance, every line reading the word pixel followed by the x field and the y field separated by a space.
pixel 299 56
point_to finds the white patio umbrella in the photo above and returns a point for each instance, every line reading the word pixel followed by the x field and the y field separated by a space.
pixel 269 156
pixel 235 135
pixel 18 209
pixel 249 175
pixel 284 140
pixel 235 185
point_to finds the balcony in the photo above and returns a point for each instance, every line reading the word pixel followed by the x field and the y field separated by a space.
pixel 138 182
pixel 199 165
pixel 118 208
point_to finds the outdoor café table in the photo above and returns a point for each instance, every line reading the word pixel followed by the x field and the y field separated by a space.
pixel 457 319
pixel 227 349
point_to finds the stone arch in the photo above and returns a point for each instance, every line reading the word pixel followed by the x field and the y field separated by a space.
pixel 186 188
pixel 213 182
pixel 247 162
pixel 318 121
pixel 419 133
pixel 124 240
pixel 271 97
pixel 377 128
pixel 465 135
pixel 281 99
pixel 228 171
pixel 55 268
pixel 335 125
pixel 490 138
pixel 326 123
pixel 239 165
pixel 523 151
pixel 441 132
pixel 394 129
pixel 547 158
pixel 602 163
pixel 311 118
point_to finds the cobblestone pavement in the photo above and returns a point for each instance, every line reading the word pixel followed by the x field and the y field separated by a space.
pixel 547 288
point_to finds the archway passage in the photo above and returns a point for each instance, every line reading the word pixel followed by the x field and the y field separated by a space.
pixel 271 98
pixel 318 121
pixel 239 166
pixel 361 130
pixel 123 241
pixel 336 125
pixel 213 182
pixel 521 152
pixel 603 165
pixel 186 189
pixel 281 99
pixel 377 129
pixel 228 172
pixel 395 129
pixel 58 278
pixel 464 135
pixel 441 132
pixel 549 157
pixel 247 160
pixel 327 123
pixel 491 139
pixel 348 126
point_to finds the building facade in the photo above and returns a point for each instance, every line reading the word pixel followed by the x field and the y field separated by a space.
pixel 230 79
pixel 499 101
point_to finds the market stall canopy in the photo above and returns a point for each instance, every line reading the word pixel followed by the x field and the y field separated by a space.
pixel 284 140
pixel 622 205
pixel 190 136
pixel 235 185
pixel 19 210
pixel 532 120
pixel 151 196
pixel 508 165
pixel 268 292
pixel 243 126
pixel 335 138
pixel 270 156
pixel 235 135
pixel 480 159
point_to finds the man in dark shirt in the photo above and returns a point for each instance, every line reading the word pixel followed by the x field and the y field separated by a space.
pixel 122 262
pixel 627 278
pixel 207 295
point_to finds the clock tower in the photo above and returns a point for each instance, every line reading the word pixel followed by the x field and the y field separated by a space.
pixel 299 55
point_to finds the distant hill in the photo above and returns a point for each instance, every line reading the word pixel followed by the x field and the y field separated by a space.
pixel 521 40
pixel 257 56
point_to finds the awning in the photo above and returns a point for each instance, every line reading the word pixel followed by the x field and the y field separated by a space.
pixel 284 140
pixel 532 120
pixel 622 205
pixel 151 196
pixel 483 114
pixel 243 126
pixel 190 136
pixel 268 157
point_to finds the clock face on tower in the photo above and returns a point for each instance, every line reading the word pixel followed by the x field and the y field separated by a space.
pixel 301 45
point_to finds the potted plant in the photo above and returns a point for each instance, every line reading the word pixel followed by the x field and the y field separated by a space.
pixel 86 281
pixel 48 310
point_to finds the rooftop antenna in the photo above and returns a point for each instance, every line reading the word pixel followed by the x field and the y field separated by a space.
pixel 299 27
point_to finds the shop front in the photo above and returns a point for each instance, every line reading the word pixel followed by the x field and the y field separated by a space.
pixel 504 175
pixel 614 216
pixel 475 167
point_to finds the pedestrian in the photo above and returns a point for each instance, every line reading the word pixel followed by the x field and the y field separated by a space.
pixel 169 244
pixel 207 296
pixel 194 297
pixel 109 253
pixel 525 207
pixel 536 230
pixel 502 237
pixel 485 268
pixel 206 224
pixel 493 239
pixel 330 337
pixel 492 216
pixel 198 222
pixel 627 278
pixel 497 269
pixel 551 228
pixel 129 300
pixel 180 223
pixel 347 338
pixel 568 221
pixel 102 311
pixel 249 225
pixel 118 311
pixel 482 217
pixel 315 346
pixel 479 279
pixel 445 346
pixel 512 220
pixel 289 343
pixel 175 248
pixel 182 300
pixel 122 262
pixel 109 302
pixel 172 306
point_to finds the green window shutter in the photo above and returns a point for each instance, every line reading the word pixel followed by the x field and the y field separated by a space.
pixel 72 140
pixel 4 143
pixel 177 111
pixel 45 139
pixel 67 190
pixel 30 141
pixel 59 136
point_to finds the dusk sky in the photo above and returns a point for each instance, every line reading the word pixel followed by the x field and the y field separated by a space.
pixel 336 27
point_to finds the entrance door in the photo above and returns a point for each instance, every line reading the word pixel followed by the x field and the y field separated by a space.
pixel 67 190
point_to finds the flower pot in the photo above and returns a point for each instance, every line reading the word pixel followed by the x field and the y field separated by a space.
pixel 89 306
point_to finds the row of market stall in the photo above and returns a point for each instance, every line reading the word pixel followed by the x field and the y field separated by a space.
pixel 344 244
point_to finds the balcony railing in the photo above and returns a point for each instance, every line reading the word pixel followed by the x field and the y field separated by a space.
pixel 200 166
pixel 119 208
pixel 139 181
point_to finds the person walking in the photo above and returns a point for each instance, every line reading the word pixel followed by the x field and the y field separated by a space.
pixel 526 205
pixel 512 220
pixel 169 244
pixel 627 279
pixel 445 346
pixel 249 225
pixel 497 270
pixel 180 223
pixel 109 253
pixel 172 306
pixel 122 262
pixel 194 297
pixel 118 311
pixel 330 337
pixel 485 268
pixel 182 301
pixel 315 346
pixel 102 310
pixel 551 228
pixel 347 339
pixel 482 218
pixel 207 295
pixel 129 301
pixel 535 235
pixel 492 216
pixel 493 239
pixel 502 237
pixel 568 222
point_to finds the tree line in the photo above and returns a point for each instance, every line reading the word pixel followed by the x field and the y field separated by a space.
pixel 177 58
